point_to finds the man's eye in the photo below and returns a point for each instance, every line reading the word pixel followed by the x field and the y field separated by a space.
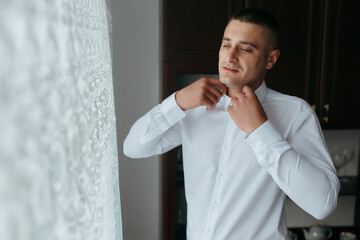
pixel 246 49
pixel 225 46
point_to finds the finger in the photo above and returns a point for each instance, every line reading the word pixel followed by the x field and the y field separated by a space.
pixel 219 84
pixel 230 109
pixel 234 101
pixel 216 92
pixel 209 108
pixel 208 103
pixel 247 90
pixel 240 97
pixel 213 97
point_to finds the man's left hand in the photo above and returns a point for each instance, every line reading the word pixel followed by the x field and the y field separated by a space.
pixel 246 111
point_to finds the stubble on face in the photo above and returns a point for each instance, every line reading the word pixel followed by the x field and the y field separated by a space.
pixel 242 56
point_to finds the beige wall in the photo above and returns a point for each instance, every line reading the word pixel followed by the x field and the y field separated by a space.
pixel 136 72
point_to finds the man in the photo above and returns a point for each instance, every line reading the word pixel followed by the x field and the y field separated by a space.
pixel 245 146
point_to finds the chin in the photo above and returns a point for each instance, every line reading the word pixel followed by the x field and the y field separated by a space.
pixel 226 81
pixel 223 80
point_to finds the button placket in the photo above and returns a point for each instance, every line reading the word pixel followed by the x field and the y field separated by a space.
pixel 214 205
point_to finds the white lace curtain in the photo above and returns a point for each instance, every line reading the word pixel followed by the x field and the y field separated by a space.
pixel 58 152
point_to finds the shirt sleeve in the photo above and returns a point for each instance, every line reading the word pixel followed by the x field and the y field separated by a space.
pixel 301 165
pixel 156 132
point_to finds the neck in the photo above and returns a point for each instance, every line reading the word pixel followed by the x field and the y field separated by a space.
pixel 234 91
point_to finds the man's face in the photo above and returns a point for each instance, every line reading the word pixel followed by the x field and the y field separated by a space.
pixel 243 55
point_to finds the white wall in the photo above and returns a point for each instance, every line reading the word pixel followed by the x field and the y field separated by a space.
pixel 136 72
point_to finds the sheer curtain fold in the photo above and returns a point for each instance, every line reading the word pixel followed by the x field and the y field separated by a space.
pixel 58 150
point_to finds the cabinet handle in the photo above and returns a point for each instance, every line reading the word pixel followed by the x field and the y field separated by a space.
pixel 326 106
pixel 313 107
pixel 326 118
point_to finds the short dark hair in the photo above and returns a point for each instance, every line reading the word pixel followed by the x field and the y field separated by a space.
pixel 262 18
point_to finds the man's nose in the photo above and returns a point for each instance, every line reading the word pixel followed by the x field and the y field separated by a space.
pixel 232 55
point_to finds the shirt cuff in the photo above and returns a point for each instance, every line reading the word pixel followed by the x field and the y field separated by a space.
pixel 263 135
pixel 161 118
pixel 171 110
pixel 268 145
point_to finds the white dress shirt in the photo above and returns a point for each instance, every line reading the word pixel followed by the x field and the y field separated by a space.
pixel 235 187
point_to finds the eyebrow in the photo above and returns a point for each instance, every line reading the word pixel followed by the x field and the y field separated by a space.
pixel 242 42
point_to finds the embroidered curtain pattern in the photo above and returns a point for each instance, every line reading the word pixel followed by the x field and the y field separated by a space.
pixel 58 153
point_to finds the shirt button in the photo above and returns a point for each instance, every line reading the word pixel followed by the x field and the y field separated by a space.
pixel 215 204
pixel 221 177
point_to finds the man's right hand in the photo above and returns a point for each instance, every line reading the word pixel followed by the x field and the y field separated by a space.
pixel 203 92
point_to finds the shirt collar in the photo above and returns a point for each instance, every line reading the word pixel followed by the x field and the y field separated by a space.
pixel 260 92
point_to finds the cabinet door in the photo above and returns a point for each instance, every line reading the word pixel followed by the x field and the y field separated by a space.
pixel 295 71
pixel 340 71
pixel 193 29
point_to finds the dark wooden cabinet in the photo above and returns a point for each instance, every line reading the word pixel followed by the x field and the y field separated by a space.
pixel 319 61
pixel 300 28
pixel 339 98
pixel 192 30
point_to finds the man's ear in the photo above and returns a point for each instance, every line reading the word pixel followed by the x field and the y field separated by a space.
pixel 272 58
